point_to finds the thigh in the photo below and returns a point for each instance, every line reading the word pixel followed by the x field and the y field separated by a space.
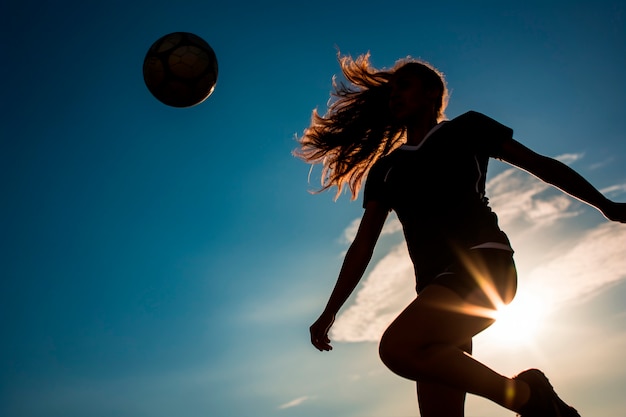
pixel 438 316
pixel 453 307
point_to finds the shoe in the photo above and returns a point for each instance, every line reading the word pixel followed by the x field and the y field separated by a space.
pixel 543 400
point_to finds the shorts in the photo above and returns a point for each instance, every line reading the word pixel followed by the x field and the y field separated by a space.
pixel 476 273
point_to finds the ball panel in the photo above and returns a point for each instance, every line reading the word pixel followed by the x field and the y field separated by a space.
pixel 188 61
pixel 153 71
pixel 168 42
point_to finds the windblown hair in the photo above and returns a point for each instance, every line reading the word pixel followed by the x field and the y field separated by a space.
pixel 357 128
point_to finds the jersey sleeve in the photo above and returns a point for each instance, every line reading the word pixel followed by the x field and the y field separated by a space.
pixel 375 189
pixel 491 133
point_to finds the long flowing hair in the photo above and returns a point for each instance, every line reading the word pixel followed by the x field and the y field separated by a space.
pixel 357 128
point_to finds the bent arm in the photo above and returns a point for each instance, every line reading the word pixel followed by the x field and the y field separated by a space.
pixel 561 176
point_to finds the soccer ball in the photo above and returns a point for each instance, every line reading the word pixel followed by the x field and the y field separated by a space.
pixel 180 69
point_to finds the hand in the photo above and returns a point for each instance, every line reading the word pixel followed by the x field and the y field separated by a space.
pixel 615 211
pixel 319 332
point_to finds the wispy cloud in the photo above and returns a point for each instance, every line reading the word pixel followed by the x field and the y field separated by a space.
pixel 595 261
pixel 385 291
pixel 569 158
pixel 601 164
pixel 294 403
pixel 525 204
pixel 614 190
pixel 521 200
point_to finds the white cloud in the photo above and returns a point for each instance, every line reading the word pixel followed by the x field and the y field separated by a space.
pixel 569 158
pixel 595 261
pixel 601 164
pixel 349 232
pixel 392 225
pixel 521 199
pixel 592 262
pixel 385 290
pixel 294 403
pixel 614 190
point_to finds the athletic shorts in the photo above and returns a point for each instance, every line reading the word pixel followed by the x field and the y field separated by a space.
pixel 477 273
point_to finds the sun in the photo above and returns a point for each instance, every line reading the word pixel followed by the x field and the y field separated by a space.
pixel 519 322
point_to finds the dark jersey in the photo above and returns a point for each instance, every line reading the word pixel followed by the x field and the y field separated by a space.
pixel 437 189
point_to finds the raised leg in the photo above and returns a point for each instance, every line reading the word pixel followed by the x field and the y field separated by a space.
pixel 422 344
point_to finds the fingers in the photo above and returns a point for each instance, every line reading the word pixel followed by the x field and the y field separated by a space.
pixel 319 332
pixel 320 340
pixel 323 345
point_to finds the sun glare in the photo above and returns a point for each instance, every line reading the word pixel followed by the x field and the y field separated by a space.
pixel 519 322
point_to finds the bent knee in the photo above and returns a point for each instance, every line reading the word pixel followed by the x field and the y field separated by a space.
pixel 414 358
pixel 398 354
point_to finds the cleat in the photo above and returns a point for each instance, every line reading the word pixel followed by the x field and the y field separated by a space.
pixel 543 402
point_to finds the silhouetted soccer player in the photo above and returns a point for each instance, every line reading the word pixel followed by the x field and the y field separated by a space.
pixel 389 125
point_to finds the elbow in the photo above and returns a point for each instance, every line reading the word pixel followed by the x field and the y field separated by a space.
pixel 361 249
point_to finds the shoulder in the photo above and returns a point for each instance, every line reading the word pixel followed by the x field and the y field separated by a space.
pixel 480 123
pixel 390 158
pixel 379 171
pixel 474 117
pixel 375 189
pixel 381 166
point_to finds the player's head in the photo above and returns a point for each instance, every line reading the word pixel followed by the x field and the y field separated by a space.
pixel 360 125
pixel 417 87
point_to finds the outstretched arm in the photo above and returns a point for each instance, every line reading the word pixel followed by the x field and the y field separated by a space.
pixel 561 176
pixel 355 262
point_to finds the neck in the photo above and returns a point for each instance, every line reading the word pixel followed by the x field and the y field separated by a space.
pixel 416 132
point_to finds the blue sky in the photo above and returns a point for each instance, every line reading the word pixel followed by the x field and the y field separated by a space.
pixel 159 261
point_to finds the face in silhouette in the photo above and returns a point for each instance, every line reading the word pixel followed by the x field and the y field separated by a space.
pixel 408 100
